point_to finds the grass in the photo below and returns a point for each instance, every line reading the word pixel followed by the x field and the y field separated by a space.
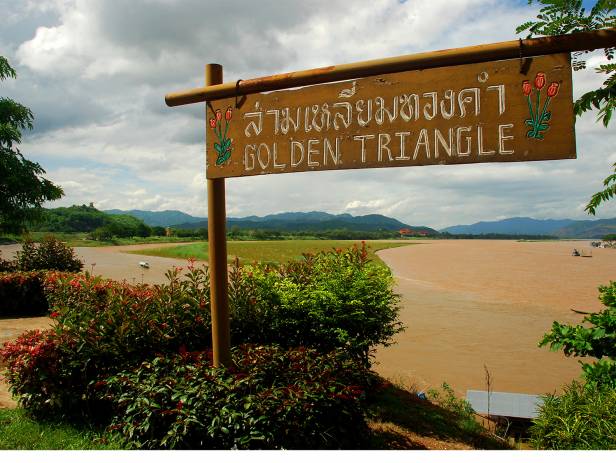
pixel 400 420
pixel 20 432
pixel 271 252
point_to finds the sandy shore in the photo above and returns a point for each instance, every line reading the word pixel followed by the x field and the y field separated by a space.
pixel 472 303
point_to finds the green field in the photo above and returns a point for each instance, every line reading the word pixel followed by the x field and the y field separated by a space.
pixel 274 252
pixel 78 239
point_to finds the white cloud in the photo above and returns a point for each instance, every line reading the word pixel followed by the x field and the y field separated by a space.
pixel 95 73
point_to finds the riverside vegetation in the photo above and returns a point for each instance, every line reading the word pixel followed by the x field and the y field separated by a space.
pixel 130 365
pixel 584 416
pixel 137 359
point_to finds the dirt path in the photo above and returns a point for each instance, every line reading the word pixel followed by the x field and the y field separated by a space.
pixel 470 304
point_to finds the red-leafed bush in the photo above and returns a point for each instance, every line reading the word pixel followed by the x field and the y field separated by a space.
pixel 274 398
pixel 33 369
pixel 21 294
pixel 103 326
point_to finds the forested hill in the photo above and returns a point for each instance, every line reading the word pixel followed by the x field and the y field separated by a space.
pixel 89 219
pixel 285 221
pixel 312 221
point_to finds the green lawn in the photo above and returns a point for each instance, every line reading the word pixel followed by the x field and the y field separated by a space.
pixel 20 432
pixel 268 251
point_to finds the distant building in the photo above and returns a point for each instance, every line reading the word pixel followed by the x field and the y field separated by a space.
pixel 407 232
pixel 168 231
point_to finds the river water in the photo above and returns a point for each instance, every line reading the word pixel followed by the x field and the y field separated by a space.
pixel 474 305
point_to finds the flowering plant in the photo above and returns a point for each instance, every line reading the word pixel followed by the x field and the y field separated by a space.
pixel 223 147
pixel 539 119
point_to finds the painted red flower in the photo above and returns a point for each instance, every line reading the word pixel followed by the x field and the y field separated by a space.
pixel 218 115
pixel 213 123
pixel 539 80
pixel 228 114
pixel 526 87
pixel 553 89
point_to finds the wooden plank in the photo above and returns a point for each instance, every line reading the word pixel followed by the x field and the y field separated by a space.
pixel 502 111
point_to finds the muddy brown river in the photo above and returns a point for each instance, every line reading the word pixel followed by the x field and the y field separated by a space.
pixel 471 305
pixel 468 305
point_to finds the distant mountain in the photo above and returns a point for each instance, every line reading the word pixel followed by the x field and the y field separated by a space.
pixel 512 226
pixel 158 218
pixel 588 229
pixel 313 221
pixel 565 228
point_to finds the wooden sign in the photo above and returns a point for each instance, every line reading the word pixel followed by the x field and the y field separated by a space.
pixel 502 111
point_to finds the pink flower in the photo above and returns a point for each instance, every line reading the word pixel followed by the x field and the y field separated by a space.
pixel 218 115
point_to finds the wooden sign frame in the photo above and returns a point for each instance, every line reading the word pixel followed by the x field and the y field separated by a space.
pixel 501 111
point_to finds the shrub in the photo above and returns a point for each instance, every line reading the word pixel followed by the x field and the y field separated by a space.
pixel 103 326
pixel 49 254
pixel 21 294
pixel 328 301
pixel 583 418
pixel 33 371
pixel 596 340
pixel 335 299
pixel 274 398
pixel 461 409
pixel 7 265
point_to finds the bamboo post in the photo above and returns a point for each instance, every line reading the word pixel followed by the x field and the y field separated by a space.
pixel 527 48
pixel 217 243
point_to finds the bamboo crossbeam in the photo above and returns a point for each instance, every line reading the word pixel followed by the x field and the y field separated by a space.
pixel 527 48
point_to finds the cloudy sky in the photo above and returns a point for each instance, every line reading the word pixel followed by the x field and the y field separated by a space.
pixel 95 73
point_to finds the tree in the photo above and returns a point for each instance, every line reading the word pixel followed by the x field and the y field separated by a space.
pixel 595 339
pixel 22 187
pixel 568 16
